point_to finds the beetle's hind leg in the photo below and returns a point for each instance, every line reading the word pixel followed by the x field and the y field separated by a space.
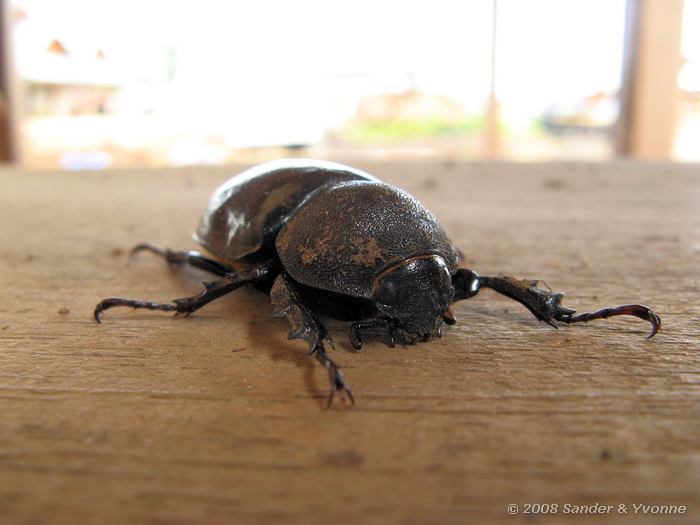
pixel 187 305
pixel 178 258
pixel 545 304
pixel 306 326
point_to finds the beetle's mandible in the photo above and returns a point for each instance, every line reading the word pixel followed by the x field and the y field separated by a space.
pixel 323 239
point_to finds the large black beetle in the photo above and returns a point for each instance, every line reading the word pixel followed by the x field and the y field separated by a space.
pixel 325 239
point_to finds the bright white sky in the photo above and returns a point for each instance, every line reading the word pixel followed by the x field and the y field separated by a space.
pixel 548 51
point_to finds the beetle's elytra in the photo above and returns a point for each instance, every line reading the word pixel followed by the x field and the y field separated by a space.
pixel 323 239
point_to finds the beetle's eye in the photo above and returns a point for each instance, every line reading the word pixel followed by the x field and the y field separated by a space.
pixel 387 292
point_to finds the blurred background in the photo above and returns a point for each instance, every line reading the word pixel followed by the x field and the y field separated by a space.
pixel 89 84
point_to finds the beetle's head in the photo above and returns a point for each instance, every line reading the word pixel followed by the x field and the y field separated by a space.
pixel 415 293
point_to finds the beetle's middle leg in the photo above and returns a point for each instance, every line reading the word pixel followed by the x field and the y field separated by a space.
pixel 178 258
pixel 544 304
pixel 187 305
pixel 306 326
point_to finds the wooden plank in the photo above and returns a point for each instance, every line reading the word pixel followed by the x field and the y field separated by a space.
pixel 217 418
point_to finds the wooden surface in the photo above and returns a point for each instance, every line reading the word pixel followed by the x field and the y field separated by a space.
pixel 218 418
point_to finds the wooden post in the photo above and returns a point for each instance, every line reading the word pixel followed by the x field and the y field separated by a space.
pixel 649 92
pixel 7 140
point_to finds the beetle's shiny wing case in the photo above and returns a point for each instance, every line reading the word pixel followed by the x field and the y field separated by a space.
pixel 245 213
pixel 343 236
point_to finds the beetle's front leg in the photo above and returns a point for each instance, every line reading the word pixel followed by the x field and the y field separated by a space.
pixel 356 331
pixel 545 304
pixel 394 331
pixel 306 326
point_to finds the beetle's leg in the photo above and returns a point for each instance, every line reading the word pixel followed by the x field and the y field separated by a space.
pixel 335 375
pixel 466 284
pixel 356 328
pixel 546 305
pixel 394 331
pixel 306 326
pixel 179 258
pixel 187 305
pixel 448 317
pixel 355 336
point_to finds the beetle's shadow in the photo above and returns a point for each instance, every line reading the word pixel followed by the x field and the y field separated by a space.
pixel 270 334
pixel 253 310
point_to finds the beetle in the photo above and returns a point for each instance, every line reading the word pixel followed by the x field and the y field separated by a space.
pixel 327 240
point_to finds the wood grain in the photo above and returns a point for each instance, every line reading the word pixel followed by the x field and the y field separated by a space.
pixel 218 418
